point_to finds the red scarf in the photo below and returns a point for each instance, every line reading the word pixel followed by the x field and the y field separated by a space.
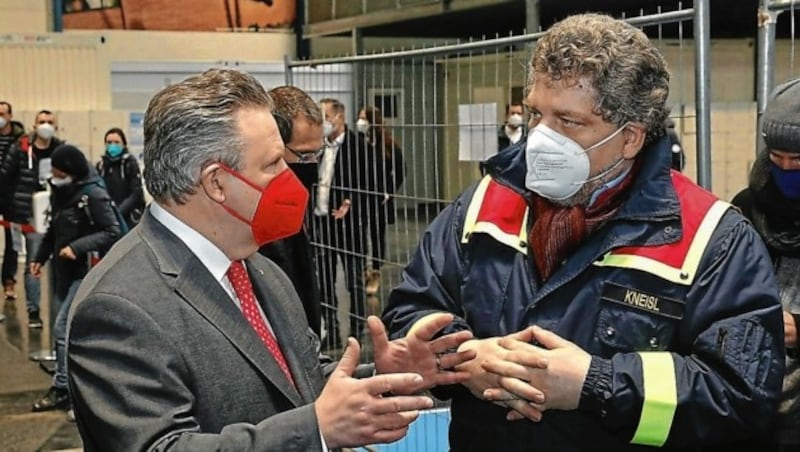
pixel 557 230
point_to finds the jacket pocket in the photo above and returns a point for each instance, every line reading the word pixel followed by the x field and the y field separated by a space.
pixel 631 320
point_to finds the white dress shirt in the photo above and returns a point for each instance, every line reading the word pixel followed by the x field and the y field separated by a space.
pixel 326 168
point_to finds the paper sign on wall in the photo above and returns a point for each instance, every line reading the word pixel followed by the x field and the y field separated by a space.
pixel 477 133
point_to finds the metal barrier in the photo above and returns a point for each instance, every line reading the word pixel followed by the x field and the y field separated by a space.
pixel 438 102
pixel 445 107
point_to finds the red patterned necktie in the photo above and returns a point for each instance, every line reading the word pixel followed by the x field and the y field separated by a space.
pixel 244 290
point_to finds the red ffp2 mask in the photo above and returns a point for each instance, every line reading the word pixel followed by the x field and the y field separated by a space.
pixel 281 207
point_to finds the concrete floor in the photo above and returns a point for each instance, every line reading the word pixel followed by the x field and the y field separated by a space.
pixel 22 382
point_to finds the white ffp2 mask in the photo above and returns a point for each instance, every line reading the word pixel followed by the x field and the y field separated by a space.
pixel 362 125
pixel 45 131
pixel 557 165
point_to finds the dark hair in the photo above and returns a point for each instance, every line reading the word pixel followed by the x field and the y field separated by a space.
pixel 292 102
pixel 10 110
pixel 337 106
pixel 284 127
pixel 41 112
pixel 508 106
pixel 378 132
pixel 119 132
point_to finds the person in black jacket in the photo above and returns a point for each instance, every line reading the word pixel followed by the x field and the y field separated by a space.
pixel 120 171
pixel 10 131
pixel 513 129
pixel 299 121
pixel 387 169
pixel 337 222
pixel 26 169
pixel 82 222
pixel 676 148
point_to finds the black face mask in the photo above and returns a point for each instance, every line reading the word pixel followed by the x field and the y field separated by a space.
pixel 306 172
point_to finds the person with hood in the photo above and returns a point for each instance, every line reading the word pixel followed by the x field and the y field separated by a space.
pixel 82 222
pixel 10 131
pixel 299 121
pixel 26 170
pixel 772 203
pixel 120 171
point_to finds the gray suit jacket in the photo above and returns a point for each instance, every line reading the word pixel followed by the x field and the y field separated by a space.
pixel 160 358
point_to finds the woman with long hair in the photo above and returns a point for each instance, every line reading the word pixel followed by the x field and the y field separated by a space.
pixel 386 169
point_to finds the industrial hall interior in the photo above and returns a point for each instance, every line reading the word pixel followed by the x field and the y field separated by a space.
pixel 399 225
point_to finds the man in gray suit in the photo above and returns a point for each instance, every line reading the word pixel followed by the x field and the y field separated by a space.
pixel 184 338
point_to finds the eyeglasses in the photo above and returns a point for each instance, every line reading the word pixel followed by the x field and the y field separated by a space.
pixel 306 156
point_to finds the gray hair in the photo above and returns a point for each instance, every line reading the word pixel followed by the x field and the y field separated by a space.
pixel 627 71
pixel 193 123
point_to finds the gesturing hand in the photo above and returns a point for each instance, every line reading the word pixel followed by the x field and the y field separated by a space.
pixel 480 380
pixel 523 379
pixel 418 352
pixel 352 412
pixel 67 253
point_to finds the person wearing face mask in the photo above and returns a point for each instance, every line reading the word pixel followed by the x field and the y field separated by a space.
pixel 387 170
pixel 511 132
pixel 26 169
pixel 772 203
pixel 299 121
pixel 185 338
pixel 120 172
pixel 615 304
pixel 81 222
pixel 339 200
pixel 513 129
pixel 10 132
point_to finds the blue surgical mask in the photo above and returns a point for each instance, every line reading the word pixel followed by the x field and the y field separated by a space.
pixel 788 181
pixel 114 149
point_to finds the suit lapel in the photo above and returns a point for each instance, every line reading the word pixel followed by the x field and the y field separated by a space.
pixel 213 303
pixel 289 337
pixel 198 288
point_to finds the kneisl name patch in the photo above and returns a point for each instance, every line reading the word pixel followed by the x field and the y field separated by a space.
pixel 637 299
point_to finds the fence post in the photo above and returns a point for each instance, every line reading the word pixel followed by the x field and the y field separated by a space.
pixel 702 37
pixel 765 67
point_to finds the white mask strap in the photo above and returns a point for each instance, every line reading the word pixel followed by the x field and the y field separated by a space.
pixel 606 139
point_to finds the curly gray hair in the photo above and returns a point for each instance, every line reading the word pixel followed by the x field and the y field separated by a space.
pixel 627 71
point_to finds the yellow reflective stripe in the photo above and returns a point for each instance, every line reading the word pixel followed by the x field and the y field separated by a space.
pixel 514 241
pixel 686 273
pixel 660 399
pixel 523 233
pixel 474 209
pixel 644 264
